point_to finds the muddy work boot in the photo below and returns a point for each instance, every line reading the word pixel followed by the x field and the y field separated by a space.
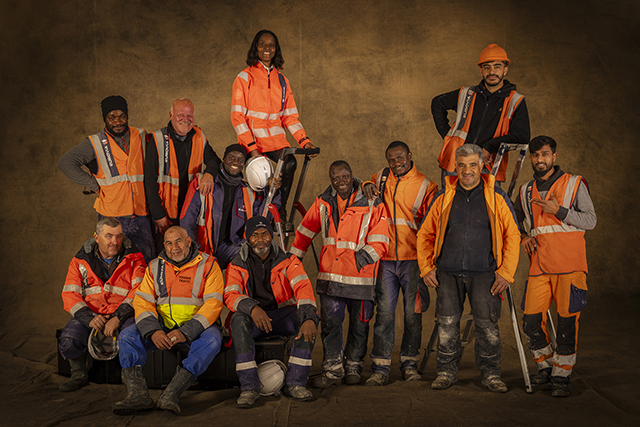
pixel 411 375
pixel 324 381
pixel 181 381
pixel 351 376
pixel 297 392
pixel 559 389
pixel 247 399
pixel 495 385
pixel 442 382
pixel 79 374
pixel 376 379
pixel 138 398
pixel 542 377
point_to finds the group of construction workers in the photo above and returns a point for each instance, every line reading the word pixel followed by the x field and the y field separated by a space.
pixel 172 216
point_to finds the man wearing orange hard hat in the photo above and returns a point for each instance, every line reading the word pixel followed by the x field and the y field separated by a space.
pixel 488 114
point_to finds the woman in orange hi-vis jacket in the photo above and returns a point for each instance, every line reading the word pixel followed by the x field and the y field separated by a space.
pixel 262 105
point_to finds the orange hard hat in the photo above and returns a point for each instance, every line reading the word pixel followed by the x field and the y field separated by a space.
pixel 491 53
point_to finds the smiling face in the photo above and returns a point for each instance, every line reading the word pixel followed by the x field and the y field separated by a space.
pixel 181 115
pixel 341 180
pixel 493 74
pixel 233 163
pixel 260 242
pixel 109 241
pixel 117 122
pixel 542 161
pixel 266 49
pixel 468 169
pixel 399 160
pixel 177 243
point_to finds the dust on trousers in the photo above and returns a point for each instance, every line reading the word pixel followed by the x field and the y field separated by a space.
pixel 75 336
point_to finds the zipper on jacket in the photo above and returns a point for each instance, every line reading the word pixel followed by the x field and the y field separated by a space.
pixel 395 226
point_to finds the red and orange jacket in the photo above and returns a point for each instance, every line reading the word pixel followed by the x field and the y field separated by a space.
pixel 86 293
pixel 120 174
pixel 407 199
pixel 459 130
pixel 289 283
pixel 168 169
pixel 352 245
pixel 260 110
pixel 502 218
pixel 187 297
pixel 560 247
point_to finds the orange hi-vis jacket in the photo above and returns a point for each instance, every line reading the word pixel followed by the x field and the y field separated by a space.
pixel 120 175
pixel 502 218
pixel 261 109
pixel 407 199
pixel 84 289
pixel 460 128
pixel 560 247
pixel 168 171
pixel 289 283
pixel 187 297
pixel 362 232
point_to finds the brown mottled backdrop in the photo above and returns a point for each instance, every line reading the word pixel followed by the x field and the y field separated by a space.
pixel 363 74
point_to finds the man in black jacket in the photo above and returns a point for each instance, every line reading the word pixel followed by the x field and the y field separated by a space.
pixel 497 113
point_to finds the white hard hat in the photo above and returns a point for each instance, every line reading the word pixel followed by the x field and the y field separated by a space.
pixel 102 347
pixel 258 171
pixel 271 373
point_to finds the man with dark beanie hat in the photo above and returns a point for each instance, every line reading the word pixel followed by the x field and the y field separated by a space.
pixel 269 293
pixel 216 221
pixel 115 159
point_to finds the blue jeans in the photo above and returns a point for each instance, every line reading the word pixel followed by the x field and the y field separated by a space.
pixel 202 350
pixel 393 276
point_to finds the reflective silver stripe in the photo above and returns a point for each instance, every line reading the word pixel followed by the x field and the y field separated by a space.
pixel 275 116
pixel 307 301
pixel 128 301
pixel 295 128
pixel 546 351
pixel 136 178
pixel 197 284
pixel 244 278
pixel 526 209
pixel 241 128
pixel 288 302
pixel 115 290
pixel 146 314
pixel 324 218
pixel 77 307
pixel 119 178
pixel 297 252
pixel 459 134
pixel 377 238
pixel 200 220
pixel 246 365
pixel 401 221
pixel 568 193
pixel 261 133
pixel 381 362
pixel 560 372
pixel 252 200
pixel 160 141
pixel 93 290
pixel 154 267
pixel 239 109
pixel 407 358
pixel 167 178
pixel 180 301
pixel 372 253
pixel 379 178
pixel 244 76
pixel 144 142
pixel 344 244
pixel 420 196
pixel 72 288
pixel 290 111
pixel 557 228
pixel 464 103
pixel 136 281
pixel 364 227
pixel 84 274
pixel 306 232
pixel 258 114
pixel 299 361
pixel 237 301
pixel 512 105
pixel 298 278
pixel 146 297
pixel 330 241
pixel 276 130
pixel 202 320
pixel 215 295
pixel 232 288
pixel 561 359
pixel 347 280
pixel 104 165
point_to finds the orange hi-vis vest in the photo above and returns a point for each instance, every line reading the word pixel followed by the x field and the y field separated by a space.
pixel 406 199
pixel 560 247
pixel 120 175
pixel 460 128
pixel 168 171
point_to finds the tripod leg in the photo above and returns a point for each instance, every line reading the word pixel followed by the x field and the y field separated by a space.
pixel 429 349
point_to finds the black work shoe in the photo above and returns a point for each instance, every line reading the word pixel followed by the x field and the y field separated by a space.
pixel 542 377
pixel 324 381
pixel 247 399
pixel 495 385
pixel 443 382
pixel 559 389
pixel 352 378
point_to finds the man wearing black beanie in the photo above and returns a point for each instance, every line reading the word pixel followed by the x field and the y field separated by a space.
pixel 115 159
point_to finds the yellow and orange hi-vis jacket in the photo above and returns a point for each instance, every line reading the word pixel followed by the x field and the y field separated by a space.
pixel 262 105
pixel 187 297
pixel 120 175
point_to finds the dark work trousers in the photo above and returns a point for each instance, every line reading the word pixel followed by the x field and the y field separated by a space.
pixel 485 309
pixel 75 337
pixel 393 276
pixel 138 230
pixel 225 253
pixel 288 172
pixel 333 313
pixel 284 321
